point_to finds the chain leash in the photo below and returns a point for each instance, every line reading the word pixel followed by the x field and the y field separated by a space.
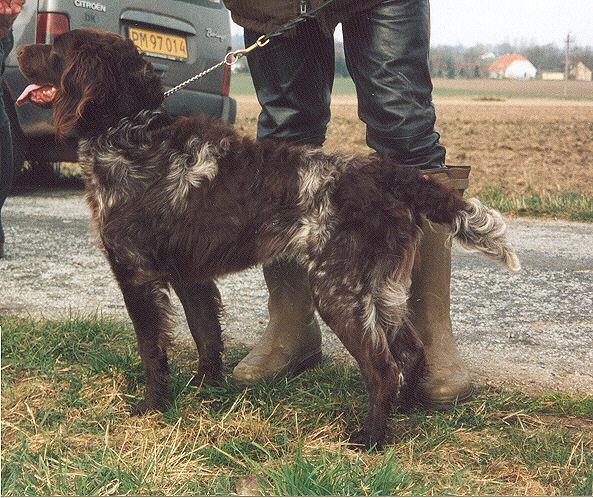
pixel 194 78
pixel 234 56
pixel 229 59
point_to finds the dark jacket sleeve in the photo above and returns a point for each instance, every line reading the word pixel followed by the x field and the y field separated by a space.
pixel 263 16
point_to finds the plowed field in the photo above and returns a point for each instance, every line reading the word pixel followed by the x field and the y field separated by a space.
pixel 522 146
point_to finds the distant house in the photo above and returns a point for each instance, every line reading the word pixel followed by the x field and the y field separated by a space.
pixel 512 66
pixel 487 57
pixel 552 76
pixel 580 72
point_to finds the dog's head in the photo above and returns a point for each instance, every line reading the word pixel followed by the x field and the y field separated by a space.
pixel 90 78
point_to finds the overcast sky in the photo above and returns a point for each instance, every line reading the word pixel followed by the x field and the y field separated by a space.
pixel 493 21
pixel 469 22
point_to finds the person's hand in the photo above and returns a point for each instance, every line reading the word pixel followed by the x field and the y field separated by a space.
pixel 10 7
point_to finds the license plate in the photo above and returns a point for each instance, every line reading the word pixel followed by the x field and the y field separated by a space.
pixel 159 44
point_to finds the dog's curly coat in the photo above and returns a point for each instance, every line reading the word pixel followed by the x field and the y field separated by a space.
pixel 181 202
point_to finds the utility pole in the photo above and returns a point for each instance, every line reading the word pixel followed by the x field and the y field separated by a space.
pixel 567 62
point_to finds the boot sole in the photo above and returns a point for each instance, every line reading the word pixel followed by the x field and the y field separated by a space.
pixel 447 403
pixel 310 361
pixel 293 368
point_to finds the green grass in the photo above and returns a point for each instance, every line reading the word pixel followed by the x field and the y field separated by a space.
pixel 489 94
pixel 567 205
pixel 241 84
pixel 68 386
pixel 330 475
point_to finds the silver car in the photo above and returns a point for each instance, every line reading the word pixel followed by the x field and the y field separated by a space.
pixel 179 37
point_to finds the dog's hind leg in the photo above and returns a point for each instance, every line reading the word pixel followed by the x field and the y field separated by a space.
pixel 405 344
pixel 391 291
pixel 351 314
pixel 408 351
pixel 202 305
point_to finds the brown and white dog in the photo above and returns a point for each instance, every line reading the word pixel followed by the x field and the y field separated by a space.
pixel 180 202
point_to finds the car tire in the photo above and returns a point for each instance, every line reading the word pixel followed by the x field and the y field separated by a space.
pixel 43 172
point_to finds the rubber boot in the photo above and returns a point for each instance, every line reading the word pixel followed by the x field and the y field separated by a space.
pixel 447 379
pixel 291 341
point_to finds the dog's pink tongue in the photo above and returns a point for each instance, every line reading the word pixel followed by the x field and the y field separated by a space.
pixel 23 97
pixel 41 94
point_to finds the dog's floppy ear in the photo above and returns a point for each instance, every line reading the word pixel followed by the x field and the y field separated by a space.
pixel 104 82
pixel 83 84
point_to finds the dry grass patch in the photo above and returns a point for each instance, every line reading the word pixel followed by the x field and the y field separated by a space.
pixel 68 387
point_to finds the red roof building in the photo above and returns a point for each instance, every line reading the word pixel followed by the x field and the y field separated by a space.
pixel 514 66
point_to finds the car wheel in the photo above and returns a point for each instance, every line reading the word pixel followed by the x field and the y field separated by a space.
pixel 43 172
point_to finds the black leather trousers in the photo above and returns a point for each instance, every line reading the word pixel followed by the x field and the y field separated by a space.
pixel 6 164
pixel 387 56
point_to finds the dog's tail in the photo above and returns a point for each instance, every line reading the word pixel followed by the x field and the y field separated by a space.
pixel 474 225
pixel 480 228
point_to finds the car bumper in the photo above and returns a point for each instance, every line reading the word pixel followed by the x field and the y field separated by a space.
pixel 188 103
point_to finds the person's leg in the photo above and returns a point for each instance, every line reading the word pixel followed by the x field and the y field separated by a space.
pixel 387 56
pixel 293 77
pixel 447 379
pixel 6 166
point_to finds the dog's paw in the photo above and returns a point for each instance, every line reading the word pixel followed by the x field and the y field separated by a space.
pixel 365 440
pixel 208 376
pixel 408 399
pixel 145 407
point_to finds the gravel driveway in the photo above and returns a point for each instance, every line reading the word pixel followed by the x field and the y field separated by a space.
pixel 533 329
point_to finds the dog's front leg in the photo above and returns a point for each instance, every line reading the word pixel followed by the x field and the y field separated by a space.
pixel 202 305
pixel 149 308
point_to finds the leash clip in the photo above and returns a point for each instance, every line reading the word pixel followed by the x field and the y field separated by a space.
pixel 234 56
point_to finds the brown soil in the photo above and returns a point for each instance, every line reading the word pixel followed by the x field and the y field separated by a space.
pixel 523 145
